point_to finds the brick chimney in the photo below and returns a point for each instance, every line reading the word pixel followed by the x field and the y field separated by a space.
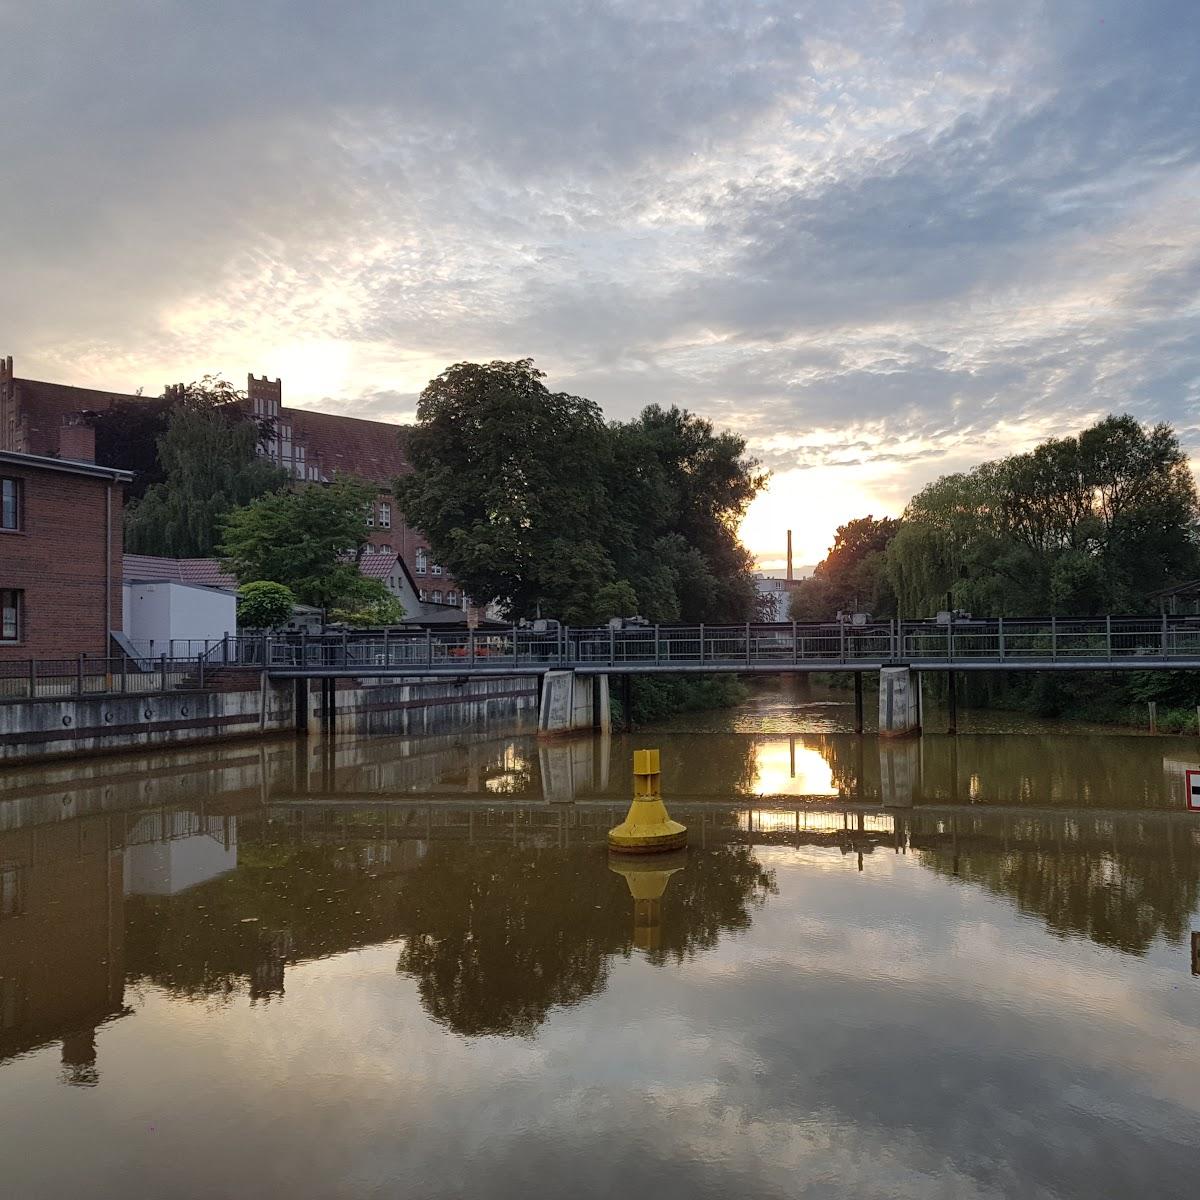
pixel 77 440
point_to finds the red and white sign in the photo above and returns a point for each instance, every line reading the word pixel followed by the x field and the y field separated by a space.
pixel 1191 786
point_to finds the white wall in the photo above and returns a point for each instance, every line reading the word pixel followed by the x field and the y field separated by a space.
pixel 168 868
pixel 157 613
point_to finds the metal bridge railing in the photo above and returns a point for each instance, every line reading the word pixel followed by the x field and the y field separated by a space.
pixel 1005 642
pixel 47 678
pixel 1009 643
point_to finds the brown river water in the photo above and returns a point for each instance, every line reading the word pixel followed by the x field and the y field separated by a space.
pixel 406 967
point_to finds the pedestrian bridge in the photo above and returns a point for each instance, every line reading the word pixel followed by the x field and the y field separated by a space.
pixel 987 644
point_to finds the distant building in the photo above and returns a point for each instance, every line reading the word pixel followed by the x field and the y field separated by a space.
pixel 60 551
pixel 313 447
pixel 775 595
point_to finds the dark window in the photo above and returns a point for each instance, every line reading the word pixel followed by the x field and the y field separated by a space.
pixel 10 504
pixel 10 614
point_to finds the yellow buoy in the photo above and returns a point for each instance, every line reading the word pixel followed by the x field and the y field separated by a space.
pixel 647 829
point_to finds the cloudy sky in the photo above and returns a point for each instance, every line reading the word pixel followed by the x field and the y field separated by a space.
pixel 884 239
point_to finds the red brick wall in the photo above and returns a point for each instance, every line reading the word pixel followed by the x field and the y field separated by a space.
pixel 57 559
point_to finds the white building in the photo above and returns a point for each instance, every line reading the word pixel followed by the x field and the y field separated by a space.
pixel 169 602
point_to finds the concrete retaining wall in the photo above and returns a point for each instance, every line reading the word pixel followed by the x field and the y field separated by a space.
pixel 32 730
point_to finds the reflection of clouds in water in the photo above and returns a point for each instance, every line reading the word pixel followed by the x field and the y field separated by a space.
pixel 888 1034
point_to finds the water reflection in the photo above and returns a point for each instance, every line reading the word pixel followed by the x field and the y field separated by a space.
pixel 408 937
pixel 503 908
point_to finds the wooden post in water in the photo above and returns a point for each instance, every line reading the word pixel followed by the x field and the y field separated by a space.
pixel 858 702
pixel 952 699
pixel 1153 716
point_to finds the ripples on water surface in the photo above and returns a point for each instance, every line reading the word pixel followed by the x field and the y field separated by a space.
pixel 953 968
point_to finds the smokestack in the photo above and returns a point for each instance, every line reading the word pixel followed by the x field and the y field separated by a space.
pixel 789 574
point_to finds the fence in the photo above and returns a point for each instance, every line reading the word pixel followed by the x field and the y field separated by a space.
pixel 1003 642
pixel 84 676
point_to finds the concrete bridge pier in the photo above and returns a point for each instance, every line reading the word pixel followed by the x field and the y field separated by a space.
pixel 899 702
pixel 572 703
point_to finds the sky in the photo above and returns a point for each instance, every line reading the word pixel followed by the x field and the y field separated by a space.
pixel 883 240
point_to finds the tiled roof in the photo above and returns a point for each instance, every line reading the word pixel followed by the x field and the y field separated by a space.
pixel 44 405
pixel 378 566
pixel 199 572
pixel 370 449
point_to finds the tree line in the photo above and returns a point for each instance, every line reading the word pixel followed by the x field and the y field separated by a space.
pixel 1097 522
pixel 528 497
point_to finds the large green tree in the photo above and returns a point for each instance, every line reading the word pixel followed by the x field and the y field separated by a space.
pixel 528 497
pixel 309 540
pixel 1084 524
pixel 508 485
pixel 209 463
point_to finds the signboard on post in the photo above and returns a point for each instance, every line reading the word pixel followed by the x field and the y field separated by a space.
pixel 1191 786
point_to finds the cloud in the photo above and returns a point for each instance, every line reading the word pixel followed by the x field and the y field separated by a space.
pixel 917 227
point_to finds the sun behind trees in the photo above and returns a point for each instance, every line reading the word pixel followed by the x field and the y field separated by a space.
pixel 529 498
pixel 1092 523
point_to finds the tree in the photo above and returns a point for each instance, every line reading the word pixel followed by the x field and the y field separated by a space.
pixel 852 575
pixel 264 604
pixel 383 610
pixel 679 491
pixel 508 486
pixel 127 437
pixel 310 540
pixel 529 498
pixel 209 461
pixel 1084 524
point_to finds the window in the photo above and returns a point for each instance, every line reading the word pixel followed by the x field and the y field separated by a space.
pixel 10 504
pixel 10 614
pixel 435 569
pixel 370 516
pixel 422 560
pixel 452 597
pixel 385 516
pixel 422 595
pixel 437 596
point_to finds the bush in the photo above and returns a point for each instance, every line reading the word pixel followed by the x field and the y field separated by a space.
pixel 264 605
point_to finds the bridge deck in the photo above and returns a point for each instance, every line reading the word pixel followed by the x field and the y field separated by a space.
pixel 1025 644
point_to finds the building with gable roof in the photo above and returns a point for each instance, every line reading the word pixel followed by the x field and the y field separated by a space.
pixel 36 417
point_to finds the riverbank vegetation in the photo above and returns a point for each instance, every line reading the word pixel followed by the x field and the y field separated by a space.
pixel 1100 522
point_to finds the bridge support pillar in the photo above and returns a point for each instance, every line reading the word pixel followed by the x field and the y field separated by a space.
pixel 572 703
pixel 899 702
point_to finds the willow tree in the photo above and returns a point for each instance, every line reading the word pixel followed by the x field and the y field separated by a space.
pixel 1084 524
pixel 209 465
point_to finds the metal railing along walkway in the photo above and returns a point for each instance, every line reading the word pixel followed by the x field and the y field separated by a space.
pixel 1049 643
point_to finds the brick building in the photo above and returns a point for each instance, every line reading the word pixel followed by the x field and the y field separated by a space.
pixel 311 446
pixel 60 552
